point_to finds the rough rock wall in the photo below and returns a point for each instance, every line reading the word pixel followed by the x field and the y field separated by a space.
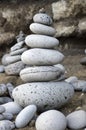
pixel 69 17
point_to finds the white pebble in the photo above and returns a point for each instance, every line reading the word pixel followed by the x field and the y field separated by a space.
pixel 25 116
pixel 51 120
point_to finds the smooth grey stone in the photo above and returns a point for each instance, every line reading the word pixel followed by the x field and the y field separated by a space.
pixel 5 100
pixel 25 116
pixel 42 57
pixel 17 46
pixel 15 68
pixel 7 59
pixel 45 95
pixel 42 29
pixel 12 107
pixel 20 37
pixel 2 109
pixel 18 52
pixel 51 120
pixel 7 116
pixel 10 88
pixel 40 73
pixel 6 125
pixel 41 41
pixel 42 18
pixel 3 89
pixel 1 69
pixel 1 117
pixel 83 61
pixel 76 120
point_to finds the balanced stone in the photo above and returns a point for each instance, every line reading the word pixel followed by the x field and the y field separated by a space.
pixel 15 68
pixel 12 107
pixel 25 116
pixel 17 46
pixel 42 57
pixel 76 120
pixel 7 59
pixel 18 52
pixel 51 120
pixel 40 73
pixel 41 41
pixel 45 95
pixel 42 18
pixel 42 29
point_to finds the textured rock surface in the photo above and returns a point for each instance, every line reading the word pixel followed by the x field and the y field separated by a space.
pixel 45 95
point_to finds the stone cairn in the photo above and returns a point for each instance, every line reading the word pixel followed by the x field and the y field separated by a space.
pixel 12 61
pixel 41 91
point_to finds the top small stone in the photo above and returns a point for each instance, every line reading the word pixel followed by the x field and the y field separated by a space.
pixel 42 18
pixel 20 37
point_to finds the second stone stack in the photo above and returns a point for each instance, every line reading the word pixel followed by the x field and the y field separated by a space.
pixel 42 56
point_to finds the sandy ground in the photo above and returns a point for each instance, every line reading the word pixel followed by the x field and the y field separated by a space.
pixel 73 67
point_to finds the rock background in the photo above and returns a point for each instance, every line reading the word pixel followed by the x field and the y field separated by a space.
pixel 69 17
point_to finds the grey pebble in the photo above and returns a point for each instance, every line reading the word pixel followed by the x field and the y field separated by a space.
pixel 3 89
pixel 17 46
pixel 18 52
pixel 8 59
pixel 15 68
pixel 2 68
pixel 10 88
pixel 6 125
pixel 7 116
pixel 5 100
pixel 2 109
pixel 42 29
pixel 42 18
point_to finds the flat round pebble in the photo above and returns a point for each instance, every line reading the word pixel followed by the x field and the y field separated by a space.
pixel 51 120
pixel 45 95
pixel 2 109
pixel 76 120
pixel 42 18
pixel 41 57
pixel 18 52
pixel 41 41
pixel 15 68
pixel 12 107
pixel 42 29
pixel 25 116
pixel 8 59
pixel 40 73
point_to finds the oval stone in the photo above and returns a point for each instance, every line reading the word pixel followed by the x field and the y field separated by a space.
pixel 42 29
pixel 76 120
pixel 51 120
pixel 41 41
pixel 42 18
pixel 25 116
pixel 41 57
pixel 15 68
pixel 41 73
pixel 12 107
pixel 45 95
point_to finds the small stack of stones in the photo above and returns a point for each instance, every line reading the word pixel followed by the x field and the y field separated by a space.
pixel 41 87
pixel 12 61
